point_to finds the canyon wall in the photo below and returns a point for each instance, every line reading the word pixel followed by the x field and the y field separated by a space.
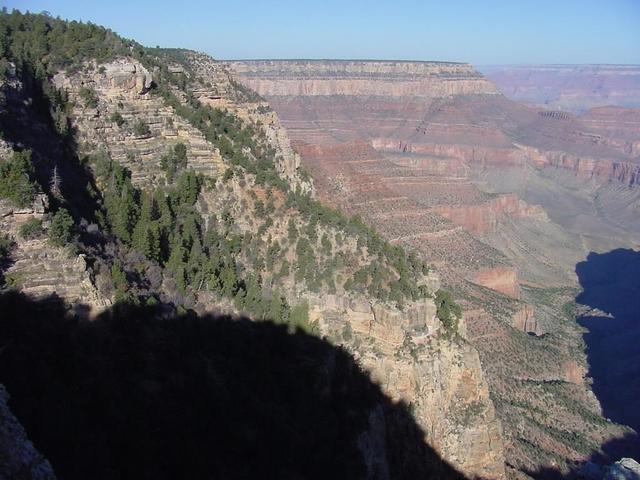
pixel 423 162
pixel 375 78
pixel 405 350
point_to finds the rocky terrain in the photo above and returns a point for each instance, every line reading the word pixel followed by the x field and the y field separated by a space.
pixel 19 458
pixel 151 178
pixel 502 198
pixel 573 88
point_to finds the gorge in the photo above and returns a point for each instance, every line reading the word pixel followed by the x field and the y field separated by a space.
pixel 505 199
pixel 306 268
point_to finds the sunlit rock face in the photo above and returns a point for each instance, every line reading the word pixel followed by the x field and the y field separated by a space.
pixel 377 78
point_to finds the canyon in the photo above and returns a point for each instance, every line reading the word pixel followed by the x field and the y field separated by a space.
pixel 574 88
pixel 352 268
pixel 121 121
pixel 504 199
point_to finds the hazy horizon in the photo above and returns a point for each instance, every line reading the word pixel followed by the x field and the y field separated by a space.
pixel 497 32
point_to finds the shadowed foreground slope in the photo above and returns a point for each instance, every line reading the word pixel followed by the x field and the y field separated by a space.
pixel 130 395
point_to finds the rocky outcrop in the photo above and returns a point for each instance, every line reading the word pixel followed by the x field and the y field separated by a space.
pixel 41 270
pixel 218 89
pixel 121 89
pixel 623 469
pixel 406 354
pixel 125 76
pixel 586 168
pixel 486 217
pixel 524 319
pixel 18 457
pixel 288 159
pixel 501 279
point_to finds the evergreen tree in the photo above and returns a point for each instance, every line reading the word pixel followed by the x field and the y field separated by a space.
pixel 61 228
pixel 15 179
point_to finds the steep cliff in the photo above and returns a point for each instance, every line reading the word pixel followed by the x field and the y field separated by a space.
pixel 357 78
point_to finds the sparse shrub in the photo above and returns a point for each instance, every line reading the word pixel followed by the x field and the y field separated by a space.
pixel 174 160
pixel 347 332
pixel 117 118
pixel 5 247
pixel 89 97
pixel 32 228
pixel 228 174
pixel 448 312
pixel 141 129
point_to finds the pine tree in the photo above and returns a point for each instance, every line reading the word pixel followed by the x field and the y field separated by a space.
pixel 61 228
pixel 228 280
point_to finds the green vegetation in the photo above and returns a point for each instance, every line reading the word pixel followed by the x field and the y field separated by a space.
pixel 569 310
pixel 32 228
pixel 164 225
pixel 117 118
pixel 61 228
pixel 391 274
pixel 45 45
pixel 5 247
pixel 174 161
pixel 331 250
pixel 16 182
pixel 40 46
pixel 141 129
pixel 89 97
pixel 239 143
pixel 448 312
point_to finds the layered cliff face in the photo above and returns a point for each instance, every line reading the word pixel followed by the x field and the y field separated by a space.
pixel 442 382
pixel 40 269
pixel 358 78
pixel 478 184
pixel 121 88
pixel 247 233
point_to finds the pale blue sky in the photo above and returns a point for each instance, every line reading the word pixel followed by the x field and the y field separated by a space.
pixel 481 32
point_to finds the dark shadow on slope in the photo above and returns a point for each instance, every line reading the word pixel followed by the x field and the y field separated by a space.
pixel 27 123
pixel 611 284
pixel 609 453
pixel 132 395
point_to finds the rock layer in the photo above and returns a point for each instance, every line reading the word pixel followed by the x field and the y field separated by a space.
pixel 375 78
